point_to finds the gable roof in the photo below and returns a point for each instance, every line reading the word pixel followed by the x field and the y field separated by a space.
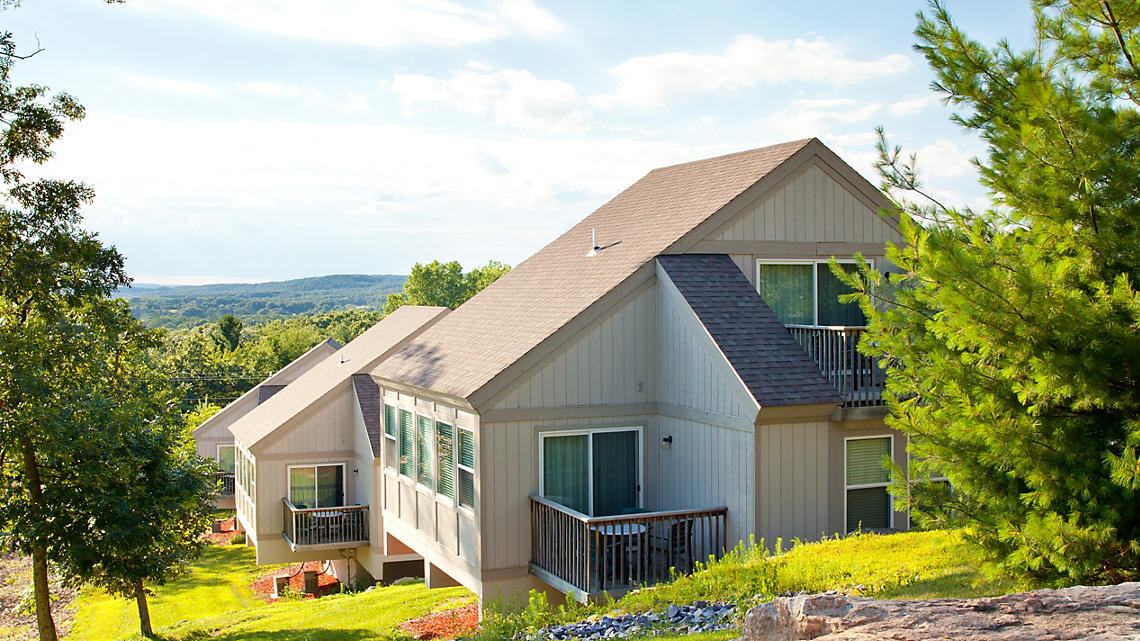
pixel 498 326
pixel 368 397
pixel 281 377
pixel 774 368
pixel 319 382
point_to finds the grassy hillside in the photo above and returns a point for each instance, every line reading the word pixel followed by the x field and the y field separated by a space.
pixel 188 305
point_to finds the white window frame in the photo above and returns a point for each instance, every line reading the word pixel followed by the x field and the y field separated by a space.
pixel 470 509
pixel 343 480
pixel 420 487
pixel 391 440
pixel 405 478
pixel 442 498
pixel 864 486
pixel 218 457
pixel 589 432
pixel 814 277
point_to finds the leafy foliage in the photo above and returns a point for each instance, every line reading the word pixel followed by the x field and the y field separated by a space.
pixel 209 372
pixel 1012 336
pixel 182 307
pixel 444 284
pixel 85 430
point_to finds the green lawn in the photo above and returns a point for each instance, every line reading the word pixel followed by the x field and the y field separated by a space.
pixel 902 566
pixel 214 601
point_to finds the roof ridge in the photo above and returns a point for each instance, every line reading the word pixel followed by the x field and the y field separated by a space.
pixel 800 143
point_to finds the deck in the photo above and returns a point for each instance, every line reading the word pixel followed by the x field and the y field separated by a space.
pixel 585 556
pixel 325 528
pixel 858 379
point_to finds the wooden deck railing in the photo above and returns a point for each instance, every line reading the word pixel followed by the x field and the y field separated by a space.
pixel 225 483
pixel 343 526
pixel 857 378
pixel 595 554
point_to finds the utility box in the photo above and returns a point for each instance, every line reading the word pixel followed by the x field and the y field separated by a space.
pixel 311 584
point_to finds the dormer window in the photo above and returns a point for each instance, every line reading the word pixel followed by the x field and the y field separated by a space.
pixel 805 292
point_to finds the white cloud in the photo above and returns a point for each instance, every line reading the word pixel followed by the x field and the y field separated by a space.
pixel 171 85
pixel 276 90
pixel 381 23
pixel 943 159
pixel 514 97
pixel 824 103
pixel 651 81
pixel 799 122
pixel 912 105
pixel 355 102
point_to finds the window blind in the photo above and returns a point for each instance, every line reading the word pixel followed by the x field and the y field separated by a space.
pixel 865 461
pixel 424 451
pixel 445 448
pixel 466 468
pixel 407 444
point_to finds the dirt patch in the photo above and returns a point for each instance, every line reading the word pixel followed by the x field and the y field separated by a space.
pixel 328 584
pixel 16 624
pixel 443 625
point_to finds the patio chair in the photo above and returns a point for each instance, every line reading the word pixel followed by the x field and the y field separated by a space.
pixel 673 545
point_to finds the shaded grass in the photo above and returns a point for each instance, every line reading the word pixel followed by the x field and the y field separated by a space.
pixel 214 601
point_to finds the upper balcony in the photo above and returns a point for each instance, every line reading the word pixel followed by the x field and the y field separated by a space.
pixel 858 379
pixel 325 528
pixel 225 482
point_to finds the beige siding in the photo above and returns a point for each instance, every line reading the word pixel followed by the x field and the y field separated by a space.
pixel 363 479
pixel 217 432
pixel 324 434
pixel 692 371
pixel 604 366
pixel 429 523
pixel 705 466
pixel 794 481
pixel 813 206
pixel 509 475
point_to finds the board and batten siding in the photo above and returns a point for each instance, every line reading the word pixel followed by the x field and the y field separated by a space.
pixel 444 533
pixel 361 476
pixel 691 370
pixel 609 364
pixel 217 433
pixel 323 434
pixel 509 459
pixel 815 205
pixel 794 481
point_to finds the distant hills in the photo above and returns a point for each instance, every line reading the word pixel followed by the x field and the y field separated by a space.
pixel 188 305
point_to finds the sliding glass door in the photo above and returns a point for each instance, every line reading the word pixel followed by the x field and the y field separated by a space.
pixel 594 472
pixel 316 485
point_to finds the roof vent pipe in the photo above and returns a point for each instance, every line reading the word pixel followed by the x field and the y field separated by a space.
pixel 593 242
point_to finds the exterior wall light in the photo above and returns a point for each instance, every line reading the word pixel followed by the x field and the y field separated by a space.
pixel 667 441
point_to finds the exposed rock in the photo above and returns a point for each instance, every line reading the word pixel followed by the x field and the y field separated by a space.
pixel 1105 613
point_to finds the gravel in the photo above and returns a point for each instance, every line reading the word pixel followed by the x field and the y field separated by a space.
pixel 700 616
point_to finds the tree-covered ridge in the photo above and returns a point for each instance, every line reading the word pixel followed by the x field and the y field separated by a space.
pixel 185 306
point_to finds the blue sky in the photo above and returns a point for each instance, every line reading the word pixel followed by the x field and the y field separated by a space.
pixel 263 140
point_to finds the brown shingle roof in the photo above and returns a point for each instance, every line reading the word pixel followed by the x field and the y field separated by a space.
pixel 334 372
pixel 467 349
pixel 774 368
pixel 368 397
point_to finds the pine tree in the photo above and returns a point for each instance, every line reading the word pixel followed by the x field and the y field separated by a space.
pixel 1012 335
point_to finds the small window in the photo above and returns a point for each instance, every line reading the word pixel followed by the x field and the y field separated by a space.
pixel 391 445
pixel 445 463
pixel 466 468
pixel 868 503
pixel 424 451
pixel 226 459
pixel 407 445
pixel 316 486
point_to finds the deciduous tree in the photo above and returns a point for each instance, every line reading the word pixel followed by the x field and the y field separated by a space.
pixel 444 284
